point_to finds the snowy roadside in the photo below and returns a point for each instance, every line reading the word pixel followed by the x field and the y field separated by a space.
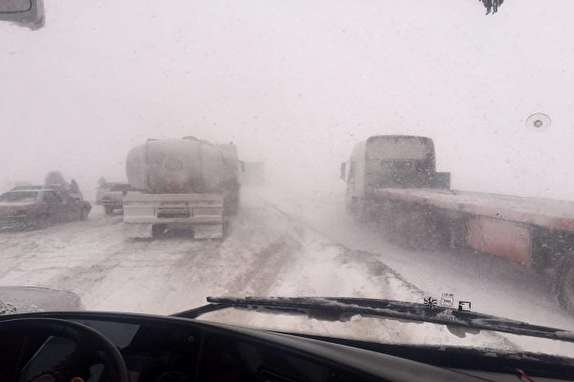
pixel 317 214
pixel 325 269
pixel 109 272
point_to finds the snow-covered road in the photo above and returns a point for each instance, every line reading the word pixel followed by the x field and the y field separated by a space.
pixel 273 249
pixel 109 272
pixel 493 285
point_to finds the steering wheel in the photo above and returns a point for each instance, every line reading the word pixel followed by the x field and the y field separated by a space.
pixel 86 338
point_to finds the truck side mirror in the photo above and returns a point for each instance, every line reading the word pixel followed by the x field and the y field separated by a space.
pixel 26 13
pixel 441 180
pixel 343 174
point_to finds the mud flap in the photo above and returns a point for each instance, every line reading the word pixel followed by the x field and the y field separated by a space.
pixel 138 231
pixel 208 231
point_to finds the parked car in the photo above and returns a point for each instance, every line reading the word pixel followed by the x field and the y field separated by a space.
pixel 37 206
pixel 111 196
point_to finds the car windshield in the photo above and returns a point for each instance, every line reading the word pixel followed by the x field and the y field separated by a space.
pixel 410 150
pixel 19 196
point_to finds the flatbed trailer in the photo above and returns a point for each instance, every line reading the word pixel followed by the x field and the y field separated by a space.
pixel 503 225
pixel 393 180
pixel 549 213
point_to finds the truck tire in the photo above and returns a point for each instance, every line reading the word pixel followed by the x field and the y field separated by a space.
pixel 351 207
pixel 231 204
pixel 158 230
pixel 417 227
pixel 108 210
pixel 84 214
pixel 566 286
pixel 234 207
pixel 361 211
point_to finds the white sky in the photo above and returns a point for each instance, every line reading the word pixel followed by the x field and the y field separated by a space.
pixel 295 83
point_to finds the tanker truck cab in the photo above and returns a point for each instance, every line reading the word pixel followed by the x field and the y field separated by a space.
pixel 390 161
pixel 187 184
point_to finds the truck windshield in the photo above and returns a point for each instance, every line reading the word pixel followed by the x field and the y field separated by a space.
pixel 390 149
pixel 399 149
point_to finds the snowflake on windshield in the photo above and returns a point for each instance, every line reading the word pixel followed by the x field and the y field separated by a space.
pixel 430 302
pixel 492 5
pixel 6 308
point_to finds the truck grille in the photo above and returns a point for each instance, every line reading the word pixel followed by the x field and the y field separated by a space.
pixel 207 211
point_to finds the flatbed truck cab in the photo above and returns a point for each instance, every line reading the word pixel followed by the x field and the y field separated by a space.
pixel 390 161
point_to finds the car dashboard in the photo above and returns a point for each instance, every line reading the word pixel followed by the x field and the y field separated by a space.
pixel 163 349
pixel 170 349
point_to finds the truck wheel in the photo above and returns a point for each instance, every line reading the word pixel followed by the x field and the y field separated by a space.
pixel 231 207
pixel 84 214
pixel 108 210
pixel 234 207
pixel 420 229
pixel 361 212
pixel 348 207
pixel 566 286
pixel 158 230
pixel 231 204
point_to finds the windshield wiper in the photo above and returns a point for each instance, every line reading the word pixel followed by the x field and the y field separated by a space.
pixel 342 309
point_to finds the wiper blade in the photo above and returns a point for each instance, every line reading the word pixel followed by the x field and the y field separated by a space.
pixel 342 308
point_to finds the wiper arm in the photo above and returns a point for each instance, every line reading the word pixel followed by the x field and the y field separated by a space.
pixel 341 309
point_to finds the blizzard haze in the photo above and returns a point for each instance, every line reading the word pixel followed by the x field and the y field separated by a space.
pixel 295 84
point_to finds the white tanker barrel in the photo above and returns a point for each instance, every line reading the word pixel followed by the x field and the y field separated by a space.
pixel 182 166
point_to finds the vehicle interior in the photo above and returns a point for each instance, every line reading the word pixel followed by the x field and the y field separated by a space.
pixel 97 346
pixel 121 95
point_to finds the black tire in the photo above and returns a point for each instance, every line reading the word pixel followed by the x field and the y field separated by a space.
pixel 359 211
pixel 348 207
pixel 109 210
pixel 158 230
pixel 41 222
pixel 566 286
pixel 417 228
pixel 84 214
pixel 231 204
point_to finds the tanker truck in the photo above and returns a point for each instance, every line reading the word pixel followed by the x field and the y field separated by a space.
pixel 185 184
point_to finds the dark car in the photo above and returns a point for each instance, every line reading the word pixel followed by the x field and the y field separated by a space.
pixel 38 206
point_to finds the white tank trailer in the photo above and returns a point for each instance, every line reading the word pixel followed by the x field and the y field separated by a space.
pixel 181 183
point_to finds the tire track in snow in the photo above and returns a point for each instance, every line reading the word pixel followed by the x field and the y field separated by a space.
pixel 244 262
pixel 394 286
pixel 265 267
